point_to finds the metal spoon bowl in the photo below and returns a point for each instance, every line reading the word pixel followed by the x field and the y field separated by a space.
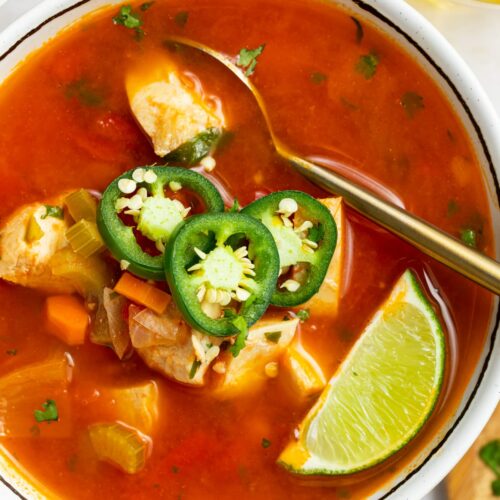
pixel 426 237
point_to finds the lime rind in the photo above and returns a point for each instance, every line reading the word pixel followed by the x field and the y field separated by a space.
pixel 382 394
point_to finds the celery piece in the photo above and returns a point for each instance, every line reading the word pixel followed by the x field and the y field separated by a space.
pixel 81 205
pixel 120 445
pixel 88 275
pixel 33 230
pixel 84 238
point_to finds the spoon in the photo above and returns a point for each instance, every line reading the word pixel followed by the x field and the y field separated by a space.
pixel 428 238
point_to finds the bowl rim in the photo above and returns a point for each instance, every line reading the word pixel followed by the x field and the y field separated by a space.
pixel 401 18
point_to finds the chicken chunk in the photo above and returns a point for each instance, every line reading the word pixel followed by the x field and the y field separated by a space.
pixel 326 301
pixel 169 110
pixel 186 361
pixel 303 372
pixel 28 241
pixel 267 340
pixel 34 252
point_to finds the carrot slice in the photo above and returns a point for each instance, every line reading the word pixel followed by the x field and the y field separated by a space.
pixel 67 318
pixel 142 293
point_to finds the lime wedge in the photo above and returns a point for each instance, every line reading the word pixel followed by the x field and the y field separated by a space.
pixel 382 393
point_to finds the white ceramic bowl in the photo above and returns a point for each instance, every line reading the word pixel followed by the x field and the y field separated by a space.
pixel 418 37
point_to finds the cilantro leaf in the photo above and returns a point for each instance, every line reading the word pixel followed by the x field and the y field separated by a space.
pixel 181 18
pixel 129 19
pixel 146 5
pixel 469 237
pixel 303 315
pixel 240 323
pixel 490 455
pixel 273 337
pixel 49 412
pixel 247 59
pixel 53 211
pixel 194 368
pixel 495 487
pixel 367 65
pixel 11 352
pixel 81 90
pixel 348 104
pixel 452 209
pixel 412 102
pixel 265 443
pixel 359 30
pixel 317 77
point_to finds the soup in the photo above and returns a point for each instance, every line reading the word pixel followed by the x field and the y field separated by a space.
pixel 337 91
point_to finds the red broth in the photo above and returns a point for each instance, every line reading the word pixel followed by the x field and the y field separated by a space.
pixel 52 140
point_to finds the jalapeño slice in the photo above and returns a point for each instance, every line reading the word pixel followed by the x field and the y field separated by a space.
pixel 222 270
pixel 141 209
pixel 305 234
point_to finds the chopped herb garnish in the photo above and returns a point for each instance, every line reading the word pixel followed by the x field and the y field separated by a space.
pixel 495 487
pixel 53 211
pixel 367 65
pixel 181 18
pixel 265 443
pixel 359 30
pixel 490 455
pixel 452 209
pixel 35 430
pixel 49 412
pixel 146 5
pixel 194 368
pixel 469 237
pixel 273 337
pixel 175 469
pixel 303 315
pixel 71 463
pixel 412 102
pixel 247 59
pixel 240 323
pixel 11 352
pixel 236 206
pixel 317 77
pixel 129 19
pixel 81 90
pixel 344 493
pixel 348 104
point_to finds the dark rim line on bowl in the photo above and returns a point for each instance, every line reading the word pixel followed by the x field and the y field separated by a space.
pixel 374 12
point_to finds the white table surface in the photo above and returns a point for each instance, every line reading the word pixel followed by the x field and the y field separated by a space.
pixel 472 30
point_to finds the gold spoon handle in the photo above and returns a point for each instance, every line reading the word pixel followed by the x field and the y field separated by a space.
pixel 428 238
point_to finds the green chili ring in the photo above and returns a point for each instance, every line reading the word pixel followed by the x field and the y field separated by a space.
pixel 228 229
pixel 120 238
pixel 325 235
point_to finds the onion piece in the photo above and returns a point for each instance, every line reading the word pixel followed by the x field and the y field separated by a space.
pixel 115 304
pixel 149 329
